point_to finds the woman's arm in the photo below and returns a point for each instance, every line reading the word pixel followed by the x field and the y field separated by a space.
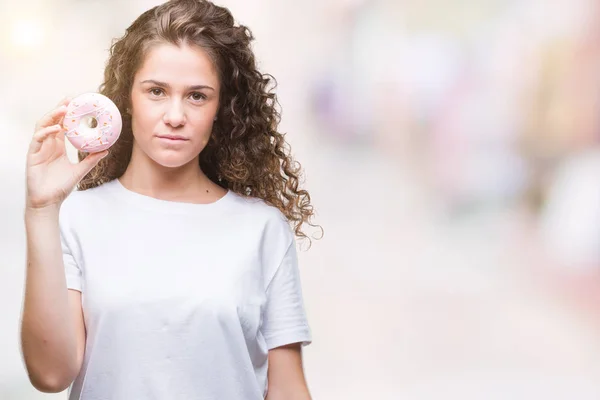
pixel 286 374
pixel 52 327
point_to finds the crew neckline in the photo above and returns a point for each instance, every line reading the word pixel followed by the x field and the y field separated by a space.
pixel 169 206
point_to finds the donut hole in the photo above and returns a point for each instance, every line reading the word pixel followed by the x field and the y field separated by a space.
pixel 90 122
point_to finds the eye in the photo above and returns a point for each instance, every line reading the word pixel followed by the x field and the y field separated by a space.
pixel 198 96
pixel 156 91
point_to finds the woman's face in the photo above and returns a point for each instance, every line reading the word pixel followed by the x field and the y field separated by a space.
pixel 174 98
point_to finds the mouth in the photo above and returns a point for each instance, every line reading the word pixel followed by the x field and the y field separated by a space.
pixel 173 138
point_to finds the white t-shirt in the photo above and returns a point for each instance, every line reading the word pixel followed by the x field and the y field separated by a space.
pixel 181 301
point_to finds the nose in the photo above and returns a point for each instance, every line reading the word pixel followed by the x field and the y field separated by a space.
pixel 174 115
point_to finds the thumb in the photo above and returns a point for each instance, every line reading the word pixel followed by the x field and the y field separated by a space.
pixel 88 163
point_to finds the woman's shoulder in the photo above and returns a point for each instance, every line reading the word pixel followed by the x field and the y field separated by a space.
pixel 265 214
pixel 258 206
pixel 82 200
pixel 100 190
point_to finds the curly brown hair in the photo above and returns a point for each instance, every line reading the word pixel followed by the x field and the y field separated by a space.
pixel 245 153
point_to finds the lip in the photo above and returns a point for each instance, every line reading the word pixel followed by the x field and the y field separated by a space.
pixel 173 138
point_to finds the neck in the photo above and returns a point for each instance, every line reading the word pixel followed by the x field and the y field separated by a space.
pixel 186 182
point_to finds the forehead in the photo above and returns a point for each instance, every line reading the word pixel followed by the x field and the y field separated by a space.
pixel 179 65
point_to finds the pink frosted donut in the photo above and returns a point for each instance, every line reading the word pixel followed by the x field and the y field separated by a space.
pixel 93 122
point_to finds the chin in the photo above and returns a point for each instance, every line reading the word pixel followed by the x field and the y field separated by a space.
pixel 172 159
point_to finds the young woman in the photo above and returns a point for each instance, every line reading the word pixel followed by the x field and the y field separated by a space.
pixel 172 272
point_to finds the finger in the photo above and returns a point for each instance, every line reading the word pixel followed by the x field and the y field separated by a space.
pixel 61 138
pixel 65 101
pixel 41 135
pixel 52 117
pixel 88 163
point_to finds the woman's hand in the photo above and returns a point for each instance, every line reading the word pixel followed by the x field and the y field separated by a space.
pixel 50 174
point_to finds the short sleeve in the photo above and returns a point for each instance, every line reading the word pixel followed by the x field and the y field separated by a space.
pixel 72 270
pixel 285 319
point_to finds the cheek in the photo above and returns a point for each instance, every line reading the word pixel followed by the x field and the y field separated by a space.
pixel 202 125
pixel 144 122
pixel 202 137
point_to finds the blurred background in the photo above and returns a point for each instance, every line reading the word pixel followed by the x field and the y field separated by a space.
pixel 452 153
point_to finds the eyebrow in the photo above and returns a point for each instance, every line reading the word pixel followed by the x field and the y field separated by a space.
pixel 166 85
